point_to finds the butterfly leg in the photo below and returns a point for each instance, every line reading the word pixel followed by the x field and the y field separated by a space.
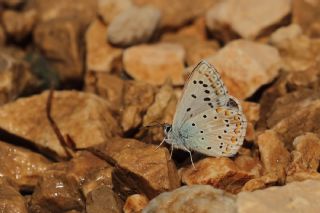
pixel 161 143
pixel 190 157
pixel 171 151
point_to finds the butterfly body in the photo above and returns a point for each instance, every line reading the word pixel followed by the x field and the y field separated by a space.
pixel 207 119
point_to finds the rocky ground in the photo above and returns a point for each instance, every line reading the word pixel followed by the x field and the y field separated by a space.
pixel 80 79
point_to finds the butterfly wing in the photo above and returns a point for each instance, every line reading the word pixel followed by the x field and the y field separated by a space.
pixel 217 132
pixel 203 91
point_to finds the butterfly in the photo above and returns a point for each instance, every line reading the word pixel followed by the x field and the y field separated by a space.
pixel 207 120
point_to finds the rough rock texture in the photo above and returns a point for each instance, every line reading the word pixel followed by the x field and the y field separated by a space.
pixel 15 75
pixel 247 18
pixel 21 165
pixel 156 63
pixel 197 198
pixel 140 166
pixel 294 197
pixel 249 164
pixel 274 156
pixel 13 3
pixel 103 199
pixel 176 13
pixel 135 203
pixel 11 201
pixel 101 56
pixel 221 173
pixel 245 66
pixel 56 192
pixel 108 9
pixel 252 113
pixel 3 36
pixel 306 14
pixel 82 116
pixel 133 26
pixel 18 25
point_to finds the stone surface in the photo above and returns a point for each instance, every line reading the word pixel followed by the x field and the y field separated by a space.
pixel 197 198
pixel 108 9
pixel 11 201
pixel 133 26
pixel 247 18
pixel 56 193
pixel 221 173
pixel 140 166
pixel 155 63
pixel 101 56
pixel 249 164
pixel 306 14
pixel 103 199
pixel 13 3
pixel 15 75
pixel 83 116
pixel 245 66
pixel 294 197
pixel 21 165
pixel 179 12
pixel 135 203
pixel 252 113
pixel 274 156
pixel 3 36
pixel 19 24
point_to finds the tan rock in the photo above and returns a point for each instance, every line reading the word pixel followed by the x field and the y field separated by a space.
pixel 11 200
pixel 13 3
pixel 15 75
pixel 179 12
pixel 274 156
pixel 140 166
pixel 252 113
pixel 245 66
pixel 248 18
pixel 221 173
pixel 103 199
pixel 101 56
pixel 294 197
pixel 135 203
pixel 108 9
pixel 56 193
pixel 306 14
pixel 249 164
pixel 304 120
pixel 73 113
pixel 196 198
pixel 133 26
pixel 3 36
pixel 156 63
pixel 21 165
pixel 262 182
pixel 284 34
pixel 19 24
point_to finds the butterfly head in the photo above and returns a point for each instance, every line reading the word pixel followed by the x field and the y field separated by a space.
pixel 166 128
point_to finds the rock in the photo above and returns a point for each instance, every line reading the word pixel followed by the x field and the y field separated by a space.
pixel 137 97
pixel 245 66
pixel 103 199
pixel 3 36
pixel 221 173
pixel 96 179
pixel 247 18
pixel 305 158
pixel 197 198
pixel 251 165
pixel 133 26
pixel 298 123
pixel 21 165
pixel 13 3
pixel 252 113
pixel 135 203
pixel 107 86
pixel 64 52
pixel 274 156
pixel 56 192
pixel 155 63
pixel 140 166
pixel 179 12
pixel 73 113
pixel 15 75
pixel 108 9
pixel 11 200
pixel 262 182
pixel 101 56
pixel 298 51
pixel 306 14
pixel 294 197
pixel 19 24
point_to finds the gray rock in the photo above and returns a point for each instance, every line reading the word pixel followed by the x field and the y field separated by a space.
pixel 134 25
